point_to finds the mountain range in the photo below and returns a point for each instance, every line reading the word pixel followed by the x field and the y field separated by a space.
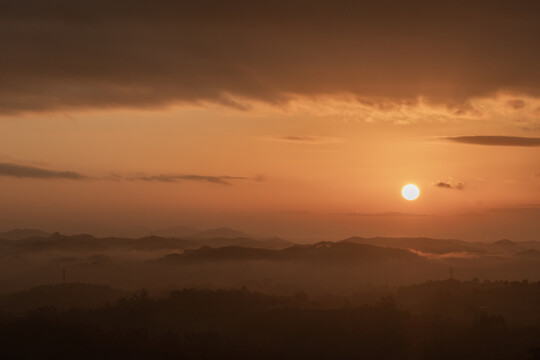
pixel 31 240
pixel 271 264
pixel 18 234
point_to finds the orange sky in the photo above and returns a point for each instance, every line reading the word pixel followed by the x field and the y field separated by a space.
pixel 306 136
pixel 310 170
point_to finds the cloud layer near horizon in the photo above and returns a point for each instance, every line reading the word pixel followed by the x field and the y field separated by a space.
pixel 496 140
pixel 221 180
pixel 24 171
pixel 62 54
pixel 32 172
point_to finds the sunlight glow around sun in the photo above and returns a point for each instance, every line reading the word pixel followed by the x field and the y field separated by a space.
pixel 410 192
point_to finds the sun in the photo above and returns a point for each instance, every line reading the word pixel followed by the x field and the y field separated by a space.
pixel 410 192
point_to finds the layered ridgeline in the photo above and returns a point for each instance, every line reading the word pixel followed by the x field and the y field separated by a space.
pixel 267 264
pixel 36 240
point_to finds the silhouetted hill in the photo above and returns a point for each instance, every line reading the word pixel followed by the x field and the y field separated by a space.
pixel 341 251
pixel 18 234
pixel 506 245
pixel 530 245
pixel 322 252
pixel 85 243
pixel 273 243
pixel 221 237
pixel 421 244
pixel 444 246
pixel 150 243
pixel 59 242
pixel 531 253
pixel 230 253
pixel 88 243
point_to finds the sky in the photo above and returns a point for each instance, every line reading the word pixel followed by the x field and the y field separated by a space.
pixel 299 119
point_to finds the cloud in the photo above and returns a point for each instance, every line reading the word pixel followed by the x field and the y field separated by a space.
pixel 24 171
pixel 221 180
pixel 307 139
pixel 384 214
pixel 516 104
pixel 64 54
pixel 449 184
pixel 496 140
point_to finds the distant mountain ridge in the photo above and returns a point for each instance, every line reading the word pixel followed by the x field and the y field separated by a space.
pixel 273 264
pixel 89 243
pixel 31 240
pixel 20 234
pixel 442 246
pixel 223 236
pixel 322 252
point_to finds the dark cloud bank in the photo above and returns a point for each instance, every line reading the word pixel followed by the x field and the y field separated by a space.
pixel 73 54
pixel 496 140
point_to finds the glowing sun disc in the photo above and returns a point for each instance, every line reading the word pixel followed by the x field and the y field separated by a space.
pixel 410 192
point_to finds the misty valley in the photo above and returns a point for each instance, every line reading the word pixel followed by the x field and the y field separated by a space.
pixel 222 294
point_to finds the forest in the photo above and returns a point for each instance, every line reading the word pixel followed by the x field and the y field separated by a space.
pixel 434 320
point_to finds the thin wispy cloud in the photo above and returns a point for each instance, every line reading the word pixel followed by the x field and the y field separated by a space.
pixel 25 171
pixel 384 214
pixel 32 172
pixel 496 140
pixel 220 180
pixel 307 139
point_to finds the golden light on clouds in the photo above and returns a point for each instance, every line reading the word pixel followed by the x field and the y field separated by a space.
pixel 262 119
